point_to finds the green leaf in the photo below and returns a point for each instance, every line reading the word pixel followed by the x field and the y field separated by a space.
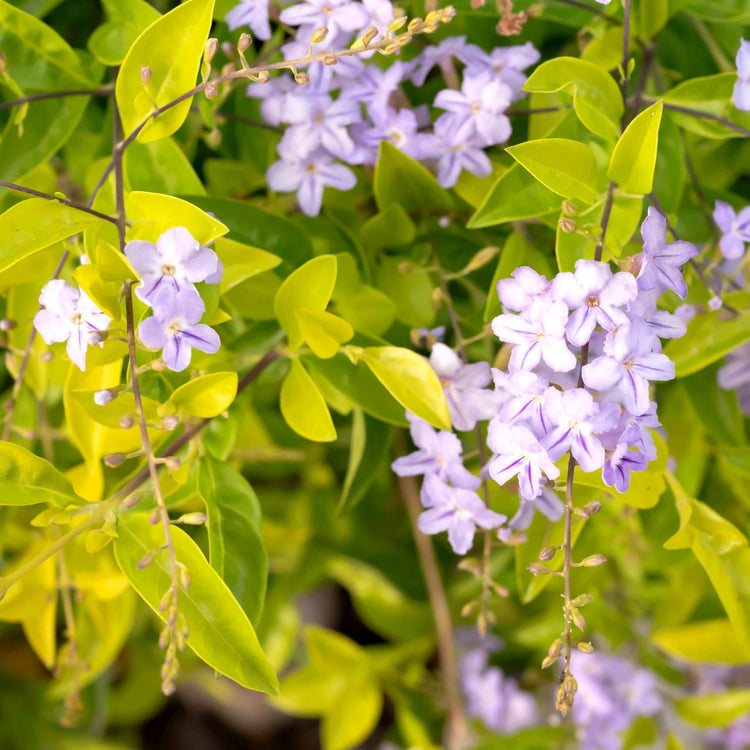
pixel 36 223
pixel 709 337
pixel 151 214
pixel 392 227
pixel 111 414
pixel 652 16
pixel 241 262
pixel 220 632
pixel 310 286
pixel 323 331
pixel 720 11
pixel 236 550
pixel 353 715
pixel 634 158
pixel 303 406
pixel 596 97
pixel 161 167
pixel 564 166
pixel 410 291
pixel 127 19
pixel 106 294
pixel 370 437
pixel 410 380
pixel 26 479
pixel 714 710
pixel 399 179
pixel 713 641
pixel 205 396
pixel 171 47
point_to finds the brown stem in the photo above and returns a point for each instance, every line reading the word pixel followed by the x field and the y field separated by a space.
pixel 706 116
pixel 625 62
pixel 104 91
pixel 537 110
pixel 226 116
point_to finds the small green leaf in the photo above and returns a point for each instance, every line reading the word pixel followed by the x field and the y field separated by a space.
pixel 151 214
pixel 411 381
pixel 161 167
pixel 26 479
pixel 205 396
pixel 596 98
pixel 171 48
pixel 353 715
pixel 392 227
pixel 310 286
pixel 652 17
pixel 113 265
pixel 106 294
pixel 241 262
pixel 713 641
pixel 399 179
pixel 323 331
pixel 564 166
pixel 634 158
pixel 127 19
pixel 220 632
pixel 303 406
pixel 236 550
pixel 714 710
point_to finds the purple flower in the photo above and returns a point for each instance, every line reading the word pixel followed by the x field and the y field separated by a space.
pixel 618 465
pixel 546 502
pixel 595 296
pixel 477 110
pixel 518 453
pixel 336 15
pixel 735 227
pixel 629 364
pixel 286 101
pixel 252 13
pixel 440 54
pixel 659 324
pixel 503 63
pixel 636 431
pixel 661 261
pixel 538 337
pixel 577 420
pixel 735 375
pixel 373 86
pixel 174 328
pixel 454 154
pixel 309 176
pixel 439 453
pixel 524 289
pixel 464 386
pixel 70 315
pixel 741 93
pixel 380 14
pixel 455 510
pixel 528 394
pixel 399 127
pixel 175 263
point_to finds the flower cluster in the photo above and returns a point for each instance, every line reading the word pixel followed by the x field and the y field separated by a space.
pixel 347 109
pixel 612 693
pixel 603 416
pixel 69 314
pixel 169 271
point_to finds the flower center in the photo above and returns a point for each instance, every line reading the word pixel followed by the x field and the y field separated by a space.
pixel 475 108
pixel 168 270
pixel 173 328
pixel 327 10
pixel 311 168
pixel 395 137
pixel 592 301
pixel 319 119
pixel 77 319
pixel 627 364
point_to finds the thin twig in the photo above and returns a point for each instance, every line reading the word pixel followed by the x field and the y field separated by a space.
pixel 538 110
pixel 104 91
pixel 227 117
pixel 705 116
pixel 591 9
pixel 625 63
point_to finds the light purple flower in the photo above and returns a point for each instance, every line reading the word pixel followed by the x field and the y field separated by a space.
pixel 577 420
pixel 439 453
pixel 337 15
pixel 536 338
pixel 525 395
pixel 502 63
pixel 741 93
pixel 252 13
pixel 373 86
pixel 400 127
pixel 309 176
pixel 174 328
pixel 286 101
pixel 175 263
pixel 735 227
pixel 70 315
pixel 455 510
pixel 518 453
pixel 660 324
pixel 618 465
pixel 380 15
pixel 661 262
pixel 546 502
pixel 629 364
pixel 524 289
pixel 477 111
pixel 595 296
pixel 465 388
pixel 440 54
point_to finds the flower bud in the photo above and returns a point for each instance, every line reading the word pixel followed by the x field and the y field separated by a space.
pixel 154 517
pixel 547 553
pixel 147 559
pixel 444 222
pixel 114 459
pixel 319 35
pixel 369 35
pixel 538 569
pixel 103 397
pixel 47 356
pixel 126 422
pixel 592 561
pixel 263 76
pixel 211 91
pixel 6 324
pixel 244 42
pixel 172 463
pixel 158 365
pixel 212 46
pixel 302 78
pixel 568 225
pixel 330 60
pixel 169 423
pixel 227 49
pixel 569 208
pixel 145 75
pixel 715 303
pixel 213 139
pixel 482 258
pixel 193 519
pixel 586 648
pixel 578 619
pixel 582 600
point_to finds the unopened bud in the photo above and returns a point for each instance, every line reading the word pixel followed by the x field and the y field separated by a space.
pixel 172 463
pixel 158 365
pixel 154 517
pixel 211 91
pixel 213 139
pixel 302 78
pixel 547 553
pixel 319 35
pixel 184 578
pixel 212 46
pixel 114 459
pixel 467 609
pixel 6 324
pixel 263 76
pixel 548 662
pixel 193 519
pixel 482 258
pixel 166 600
pixel 126 422
pixel 170 423
pixel 145 75
pixel 244 42
pixel 476 4
pixel 715 303
pixel 471 565
pixel 587 648
pixel 592 561
pixel 436 298
pixel 569 208
pixel 444 222
pixel 582 600
pixel 369 35
pixel 164 637
pixel 538 569
pixel 578 619
pixel 403 40
pixel 414 25
pixel 330 60
pixel 397 23
pixel 568 225
pixel 147 559
pixel 103 397
pixel 556 648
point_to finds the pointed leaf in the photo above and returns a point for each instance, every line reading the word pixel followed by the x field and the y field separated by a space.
pixel 323 331
pixel 634 158
pixel 303 406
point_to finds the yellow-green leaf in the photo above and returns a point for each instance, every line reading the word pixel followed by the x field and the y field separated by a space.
pixel 310 286
pixel 220 632
pixel 171 48
pixel 708 641
pixel 303 406
pixel 352 715
pixel 634 157
pixel 323 331
pixel 205 396
pixel 242 262
pixel 411 381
